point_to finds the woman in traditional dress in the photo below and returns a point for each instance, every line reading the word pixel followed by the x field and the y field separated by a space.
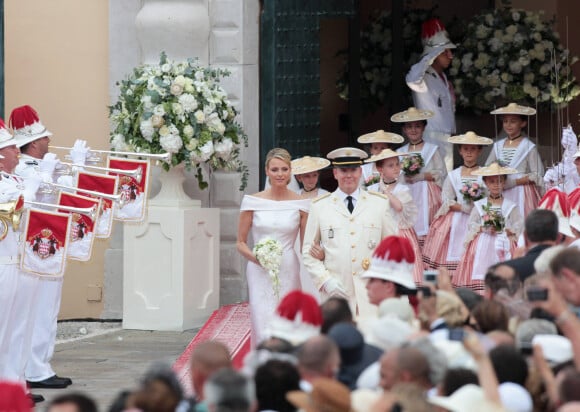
pixel 404 208
pixel 280 214
pixel 517 151
pixel 425 185
pixel 306 171
pixel 445 242
pixel 376 142
pixel 493 228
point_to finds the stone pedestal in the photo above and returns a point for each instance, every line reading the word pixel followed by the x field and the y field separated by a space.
pixel 171 269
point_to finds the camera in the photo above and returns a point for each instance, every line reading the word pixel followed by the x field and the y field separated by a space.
pixel 456 334
pixel 430 276
pixel 535 294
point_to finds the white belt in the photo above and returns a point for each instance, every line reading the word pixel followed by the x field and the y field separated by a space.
pixel 9 260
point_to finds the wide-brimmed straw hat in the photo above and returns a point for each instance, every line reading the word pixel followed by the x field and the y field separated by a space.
pixel 380 136
pixel 470 138
pixel 514 108
pixel 412 114
pixel 384 154
pixel 328 395
pixel 308 164
pixel 494 169
pixel 349 157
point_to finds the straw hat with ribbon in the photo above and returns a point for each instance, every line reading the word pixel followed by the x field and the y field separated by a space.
pixel 514 108
pixel 412 114
pixel 385 154
pixel 308 164
pixel 494 169
pixel 380 136
pixel 470 138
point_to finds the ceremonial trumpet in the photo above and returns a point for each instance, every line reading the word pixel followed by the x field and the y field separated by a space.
pixel 114 198
pixel 156 156
pixel 136 174
pixel 91 212
pixel 10 214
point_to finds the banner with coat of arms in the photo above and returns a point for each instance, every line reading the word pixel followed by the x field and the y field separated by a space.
pixel 134 189
pixel 46 244
pixel 82 231
pixel 103 184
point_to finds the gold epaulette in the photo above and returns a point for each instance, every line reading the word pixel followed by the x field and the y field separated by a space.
pixel 316 199
pixel 371 192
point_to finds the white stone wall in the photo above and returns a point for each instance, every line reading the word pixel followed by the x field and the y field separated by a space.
pixel 233 43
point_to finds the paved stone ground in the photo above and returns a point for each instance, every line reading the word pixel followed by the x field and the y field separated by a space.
pixel 105 364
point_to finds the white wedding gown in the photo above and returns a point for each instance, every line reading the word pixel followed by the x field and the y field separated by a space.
pixel 279 220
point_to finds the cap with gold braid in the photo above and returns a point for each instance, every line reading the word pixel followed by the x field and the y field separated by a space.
pixel 347 157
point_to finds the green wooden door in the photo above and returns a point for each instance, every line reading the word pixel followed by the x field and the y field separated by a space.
pixel 290 72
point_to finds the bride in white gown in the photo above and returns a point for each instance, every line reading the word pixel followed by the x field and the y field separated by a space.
pixel 281 214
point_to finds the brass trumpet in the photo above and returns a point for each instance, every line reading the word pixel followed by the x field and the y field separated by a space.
pixel 166 157
pixel 136 174
pixel 10 214
pixel 91 212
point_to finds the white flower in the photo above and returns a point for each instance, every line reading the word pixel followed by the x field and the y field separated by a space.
pixel 199 116
pixel 506 77
pixel 176 89
pixel 516 16
pixel 214 123
pixel 524 60
pixel 166 68
pixel 159 110
pixel 204 152
pixel 489 19
pixel 481 31
pixel 515 67
pixel 188 102
pixel 179 80
pixel 511 29
pixel 529 77
pixel 188 130
pixel 146 100
pixel 199 75
pixel 171 143
pixel 224 148
pixel 157 121
pixel 177 108
pixel 192 145
pixel 164 131
pixel 118 143
pixel 269 253
pixel 537 36
pixel 494 44
pixel 147 130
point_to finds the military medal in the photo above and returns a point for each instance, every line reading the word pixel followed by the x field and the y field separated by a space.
pixel 366 263
pixel 330 233
pixel 372 244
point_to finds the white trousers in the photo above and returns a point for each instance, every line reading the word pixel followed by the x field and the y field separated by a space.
pixel 15 346
pixel 44 332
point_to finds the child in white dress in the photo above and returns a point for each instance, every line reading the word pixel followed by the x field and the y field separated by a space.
pixel 376 142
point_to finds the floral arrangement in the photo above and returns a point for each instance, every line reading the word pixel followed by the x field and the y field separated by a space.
pixel 372 179
pixel 268 251
pixel 472 191
pixel 493 218
pixel 179 108
pixel 512 55
pixel 376 56
pixel 412 164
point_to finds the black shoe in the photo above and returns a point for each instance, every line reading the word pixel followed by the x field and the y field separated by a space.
pixel 35 398
pixel 68 381
pixel 54 382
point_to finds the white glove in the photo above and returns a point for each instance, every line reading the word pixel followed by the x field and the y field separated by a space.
pixel 66 181
pixel 79 152
pixel 569 139
pixel 31 185
pixel 47 166
pixel 333 287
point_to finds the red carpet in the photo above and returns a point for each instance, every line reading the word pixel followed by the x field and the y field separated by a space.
pixel 229 325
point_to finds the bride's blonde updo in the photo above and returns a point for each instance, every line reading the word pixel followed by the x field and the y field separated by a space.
pixel 280 154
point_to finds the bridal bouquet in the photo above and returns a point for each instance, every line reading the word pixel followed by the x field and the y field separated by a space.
pixel 511 55
pixel 179 108
pixel 412 164
pixel 268 251
pixel 493 219
pixel 471 191
pixel 372 179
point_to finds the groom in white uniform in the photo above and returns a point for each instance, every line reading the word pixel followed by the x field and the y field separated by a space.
pixel 347 224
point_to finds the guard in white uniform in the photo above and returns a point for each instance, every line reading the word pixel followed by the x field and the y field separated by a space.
pixel 37 164
pixel 431 88
pixel 347 224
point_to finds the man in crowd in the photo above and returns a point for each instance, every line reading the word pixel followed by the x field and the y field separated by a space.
pixel 404 365
pixel 207 358
pixel 318 357
pixel 348 223
pixel 228 390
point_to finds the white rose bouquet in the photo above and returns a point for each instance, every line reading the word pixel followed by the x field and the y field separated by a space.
pixel 511 55
pixel 268 251
pixel 180 108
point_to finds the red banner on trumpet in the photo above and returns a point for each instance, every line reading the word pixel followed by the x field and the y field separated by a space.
pixel 133 187
pixel 82 231
pixel 103 184
pixel 45 249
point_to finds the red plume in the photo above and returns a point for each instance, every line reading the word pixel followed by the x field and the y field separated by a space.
pixel 550 198
pixel 395 248
pixel 574 198
pixel 296 302
pixel 431 27
pixel 2 124
pixel 23 116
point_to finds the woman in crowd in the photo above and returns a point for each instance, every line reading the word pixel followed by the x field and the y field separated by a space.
pixel 445 241
pixel 306 171
pixel 376 142
pixel 402 205
pixel 493 228
pixel 517 151
pixel 280 214
pixel 424 182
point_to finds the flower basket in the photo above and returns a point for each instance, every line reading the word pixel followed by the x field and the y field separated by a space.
pixel 180 108
pixel 510 55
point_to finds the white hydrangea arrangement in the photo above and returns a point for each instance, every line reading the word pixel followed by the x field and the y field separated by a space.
pixel 512 55
pixel 180 108
pixel 269 251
